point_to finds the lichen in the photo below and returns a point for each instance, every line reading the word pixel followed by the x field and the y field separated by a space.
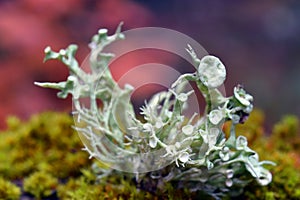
pixel 282 147
pixel 193 153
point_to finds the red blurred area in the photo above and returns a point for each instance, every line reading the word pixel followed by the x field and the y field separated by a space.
pixel 257 41
pixel 28 26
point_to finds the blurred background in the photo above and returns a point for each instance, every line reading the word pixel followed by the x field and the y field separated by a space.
pixel 258 41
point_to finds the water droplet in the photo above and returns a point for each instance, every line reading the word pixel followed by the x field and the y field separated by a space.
pixel 152 142
pixel 215 116
pixel 184 157
pixel 188 129
pixel 211 71
pixel 228 182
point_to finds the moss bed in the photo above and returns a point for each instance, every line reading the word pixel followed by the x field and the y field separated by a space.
pixel 42 159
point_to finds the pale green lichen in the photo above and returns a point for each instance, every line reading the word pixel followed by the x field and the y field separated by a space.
pixel 193 152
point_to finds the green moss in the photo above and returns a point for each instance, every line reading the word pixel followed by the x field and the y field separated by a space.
pixel 87 188
pixel 47 142
pixel 46 153
pixel 282 148
pixel 285 135
pixel 8 190
pixel 40 184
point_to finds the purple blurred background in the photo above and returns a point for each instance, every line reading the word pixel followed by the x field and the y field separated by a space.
pixel 258 41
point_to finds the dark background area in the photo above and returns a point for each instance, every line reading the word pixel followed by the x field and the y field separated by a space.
pixel 258 41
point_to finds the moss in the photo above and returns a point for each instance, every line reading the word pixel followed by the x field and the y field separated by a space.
pixel 285 135
pixel 86 187
pixel 46 142
pixel 40 184
pixel 282 148
pixel 46 153
pixel 8 190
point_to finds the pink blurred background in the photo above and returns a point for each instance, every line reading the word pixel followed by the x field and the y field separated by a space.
pixel 259 42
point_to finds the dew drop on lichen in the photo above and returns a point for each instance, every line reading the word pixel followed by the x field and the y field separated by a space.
pixel 188 129
pixel 215 116
pixel 152 142
pixel 184 157
pixel 211 71
pixel 228 182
